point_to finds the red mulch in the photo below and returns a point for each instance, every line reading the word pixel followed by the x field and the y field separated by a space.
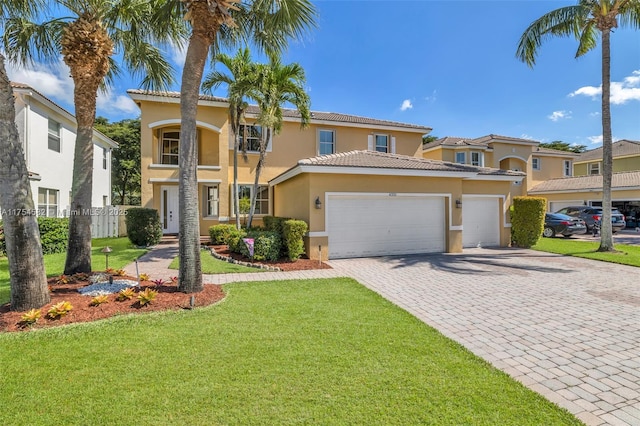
pixel 168 298
pixel 301 264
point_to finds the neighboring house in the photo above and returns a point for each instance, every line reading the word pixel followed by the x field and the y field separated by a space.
pixel 507 153
pixel 586 187
pixel 48 135
pixel 360 183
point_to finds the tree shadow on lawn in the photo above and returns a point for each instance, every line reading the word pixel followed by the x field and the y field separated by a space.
pixel 490 261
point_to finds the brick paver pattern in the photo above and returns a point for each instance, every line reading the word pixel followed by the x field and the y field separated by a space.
pixel 568 328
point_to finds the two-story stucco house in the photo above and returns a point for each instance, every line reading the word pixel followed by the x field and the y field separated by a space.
pixel 48 134
pixel 360 183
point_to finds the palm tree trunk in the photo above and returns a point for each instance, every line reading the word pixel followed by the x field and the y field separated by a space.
pixel 190 272
pixel 79 251
pixel 28 280
pixel 606 240
pixel 236 209
pixel 263 152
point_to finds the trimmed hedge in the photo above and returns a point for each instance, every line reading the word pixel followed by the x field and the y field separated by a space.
pixel 54 235
pixel 527 220
pixel 293 231
pixel 143 226
pixel 266 246
pixel 274 223
pixel 222 234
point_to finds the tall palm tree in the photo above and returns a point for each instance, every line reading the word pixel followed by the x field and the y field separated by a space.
pixel 240 81
pixel 277 84
pixel 28 281
pixel 269 24
pixel 87 37
pixel 585 21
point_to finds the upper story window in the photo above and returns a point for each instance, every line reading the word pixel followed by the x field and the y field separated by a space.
pixel 461 157
pixel 535 163
pixel 251 135
pixel 327 142
pixel 54 135
pixel 477 159
pixel 104 158
pixel 382 143
pixel 48 202
pixel 567 168
pixel 170 142
pixel 594 168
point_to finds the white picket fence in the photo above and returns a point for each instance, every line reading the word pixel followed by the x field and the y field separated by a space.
pixel 108 221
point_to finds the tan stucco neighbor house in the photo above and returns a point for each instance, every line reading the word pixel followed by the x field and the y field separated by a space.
pixel 360 183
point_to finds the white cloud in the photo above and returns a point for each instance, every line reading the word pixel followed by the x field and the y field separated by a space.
pixel 433 97
pixel 53 80
pixel 406 104
pixel 621 91
pixel 597 140
pixel 177 53
pixel 109 103
pixel 594 114
pixel 559 115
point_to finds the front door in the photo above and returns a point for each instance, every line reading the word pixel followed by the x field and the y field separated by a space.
pixel 169 209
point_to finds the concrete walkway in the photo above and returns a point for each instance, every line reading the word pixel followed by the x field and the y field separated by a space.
pixel 567 328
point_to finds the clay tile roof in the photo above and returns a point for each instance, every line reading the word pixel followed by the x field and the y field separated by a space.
pixel 292 113
pixel 555 152
pixel 373 159
pixel 620 148
pixel 585 183
pixel 491 137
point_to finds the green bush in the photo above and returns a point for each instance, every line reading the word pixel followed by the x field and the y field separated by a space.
pixel 267 245
pixel 274 224
pixel 293 231
pixel 222 234
pixel 527 220
pixel 143 226
pixel 54 235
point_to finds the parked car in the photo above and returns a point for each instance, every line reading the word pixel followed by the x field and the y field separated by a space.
pixel 558 223
pixel 591 214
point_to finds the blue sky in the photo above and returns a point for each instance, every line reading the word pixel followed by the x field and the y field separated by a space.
pixel 449 65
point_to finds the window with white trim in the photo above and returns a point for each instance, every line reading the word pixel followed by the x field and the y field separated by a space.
pixel 535 163
pixel 594 168
pixel 251 135
pixel 461 157
pixel 382 143
pixel 169 144
pixel 326 142
pixel 477 159
pixel 47 202
pixel 211 201
pixel 54 136
pixel 262 200
pixel 104 158
pixel 567 168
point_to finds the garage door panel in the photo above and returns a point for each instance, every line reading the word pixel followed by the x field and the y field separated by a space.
pixel 481 222
pixel 375 225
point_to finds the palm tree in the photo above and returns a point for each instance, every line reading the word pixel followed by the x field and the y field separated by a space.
pixel 277 84
pixel 28 281
pixel 585 21
pixel 269 24
pixel 239 83
pixel 87 39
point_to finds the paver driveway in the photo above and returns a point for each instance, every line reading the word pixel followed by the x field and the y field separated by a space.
pixel 567 328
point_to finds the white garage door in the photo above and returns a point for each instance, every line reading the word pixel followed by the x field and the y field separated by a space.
pixel 557 205
pixel 480 221
pixel 384 224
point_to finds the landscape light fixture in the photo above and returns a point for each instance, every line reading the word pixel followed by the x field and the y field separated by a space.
pixel 106 252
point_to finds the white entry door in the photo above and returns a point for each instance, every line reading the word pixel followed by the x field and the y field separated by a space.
pixel 169 209
pixel 480 221
pixel 361 225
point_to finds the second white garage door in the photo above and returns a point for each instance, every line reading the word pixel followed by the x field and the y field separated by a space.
pixel 480 221
pixel 361 225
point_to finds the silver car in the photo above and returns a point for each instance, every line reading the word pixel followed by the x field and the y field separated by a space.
pixel 591 214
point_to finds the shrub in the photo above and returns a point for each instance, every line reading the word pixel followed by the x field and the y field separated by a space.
pixel 125 294
pixel 145 277
pixel 54 234
pixel 30 317
pixel 293 231
pixel 147 296
pixel 527 220
pixel 275 224
pixel 222 234
pixel 59 310
pixel 267 245
pixel 99 300
pixel 143 226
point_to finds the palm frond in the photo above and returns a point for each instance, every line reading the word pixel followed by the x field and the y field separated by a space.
pixel 25 41
pixel 588 39
pixel 629 14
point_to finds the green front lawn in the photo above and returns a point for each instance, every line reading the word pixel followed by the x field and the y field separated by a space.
pixel 211 265
pixel 626 255
pixel 123 254
pixel 326 352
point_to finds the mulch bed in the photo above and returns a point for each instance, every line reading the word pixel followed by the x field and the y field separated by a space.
pixel 168 298
pixel 301 264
